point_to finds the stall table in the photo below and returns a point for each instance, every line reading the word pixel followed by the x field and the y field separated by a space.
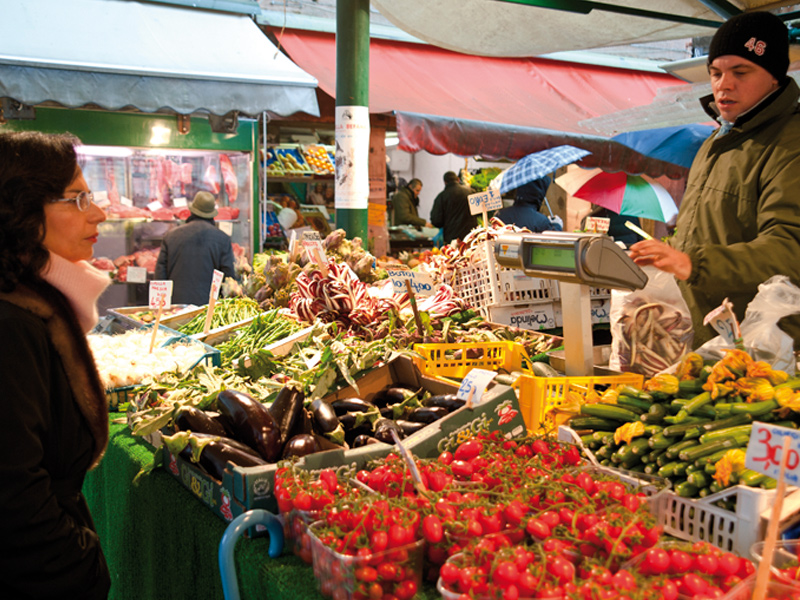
pixel 161 542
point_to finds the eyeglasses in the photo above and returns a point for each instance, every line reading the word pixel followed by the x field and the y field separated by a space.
pixel 83 200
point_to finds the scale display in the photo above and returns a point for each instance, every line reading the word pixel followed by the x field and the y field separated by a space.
pixel 587 259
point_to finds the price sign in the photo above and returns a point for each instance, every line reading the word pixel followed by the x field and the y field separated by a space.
pixel 136 275
pixel 216 284
pixel 313 245
pixel 474 385
pixel 101 199
pixel 484 201
pixel 154 206
pixel 179 202
pixel 125 201
pixel 724 323
pixel 160 294
pixel 421 283
pixel 765 450
pixel 597 224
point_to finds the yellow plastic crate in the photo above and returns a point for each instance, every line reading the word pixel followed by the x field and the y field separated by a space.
pixel 539 395
pixel 454 361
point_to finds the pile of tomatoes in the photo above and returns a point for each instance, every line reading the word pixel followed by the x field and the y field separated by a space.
pixel 492 518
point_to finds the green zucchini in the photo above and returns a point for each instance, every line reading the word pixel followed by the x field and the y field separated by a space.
pixel 651 468
pixel 662 460
pixel 692 468
pixel 755 409
pixel 721 434
pixel 580 423
pixel 640 406
pixel 679 430
pixel 711 458
pixel 715 487
pixel 689 388
pixel 678 404
pixel 675 468
pixel 640 446
pixel 684 489
pixel 751 478
pixel 652 429
pixel 699 478
pixel 769 484
pixel 629 390
pixel 660 442
pixel 674 450
pixel 605 451
pixel 735 441
pixel 655 414
pixel 711 467
pixel 604 437
pixel 703 492
pixel 732 421
pixel 609 412
pixel 589 441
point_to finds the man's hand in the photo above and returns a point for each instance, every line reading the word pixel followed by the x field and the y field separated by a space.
pixel 663 257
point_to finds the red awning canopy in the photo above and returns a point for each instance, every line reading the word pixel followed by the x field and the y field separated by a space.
pixel 531 92
pixel 447 102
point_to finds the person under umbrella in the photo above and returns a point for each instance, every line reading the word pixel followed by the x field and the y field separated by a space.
pixel 525 211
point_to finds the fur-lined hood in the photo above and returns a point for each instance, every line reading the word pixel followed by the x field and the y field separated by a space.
pixel 50 305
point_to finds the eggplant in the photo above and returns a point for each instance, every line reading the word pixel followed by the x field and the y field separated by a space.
pixel 346 405
pixel 351 434
pixel 383 429
pixel 388 395
pixel 449 401
pixel 286 409
pixel 326 422
pixel 189 418
pixel 364 440
pixel 236 444
pixel 216 455
pixel 251 423
pixel 427 414
pixel 301 445
pixel 409 427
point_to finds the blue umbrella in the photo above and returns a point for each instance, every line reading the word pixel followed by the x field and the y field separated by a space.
pixel 676 145
pixel 537 165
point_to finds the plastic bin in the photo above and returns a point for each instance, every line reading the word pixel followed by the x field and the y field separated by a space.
pixel 539 395
pixel 336 572
pixel 454 361
pixel 785 561
pixel 775 591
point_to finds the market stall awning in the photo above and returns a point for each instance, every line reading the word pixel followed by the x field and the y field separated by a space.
pixel 118 54
pixel 531 92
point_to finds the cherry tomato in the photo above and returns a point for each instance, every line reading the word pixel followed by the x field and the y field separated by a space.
pixel 461 469
pixel 537 528
pixel 623 580
pixel 679 562
pixel 707 563
pixel 449 573
pixel 560 568
pixel 445 457
pixel 691 584
pixel 656 561
pixel 468 450
pixel 728 563
pixel 406 589
pixel 432 529
pixel 505 573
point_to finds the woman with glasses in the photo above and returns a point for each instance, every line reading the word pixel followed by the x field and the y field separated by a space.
pixel 53 410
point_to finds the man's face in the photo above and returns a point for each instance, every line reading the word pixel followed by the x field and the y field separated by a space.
pixel 416 189
pixel 738 85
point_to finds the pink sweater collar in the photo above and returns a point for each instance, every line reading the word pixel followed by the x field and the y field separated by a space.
pixel 81 283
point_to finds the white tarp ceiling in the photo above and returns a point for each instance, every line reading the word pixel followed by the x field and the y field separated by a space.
pixel 116 53
pixel 495 28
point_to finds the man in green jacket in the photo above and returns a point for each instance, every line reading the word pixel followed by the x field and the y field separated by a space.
pixel 739 221
pixel 404 205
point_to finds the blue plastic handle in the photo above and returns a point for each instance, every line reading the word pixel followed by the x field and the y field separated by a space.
pixel 227 567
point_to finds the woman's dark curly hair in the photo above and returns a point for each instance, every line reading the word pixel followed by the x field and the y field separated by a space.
pixel 35 168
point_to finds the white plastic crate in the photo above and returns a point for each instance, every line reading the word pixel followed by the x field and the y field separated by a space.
pixel 529 316
pixel 472 283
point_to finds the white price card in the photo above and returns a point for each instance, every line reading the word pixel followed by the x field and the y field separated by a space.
pixel 485 201
pixel 764 452
pixel 154 206
pixel 724 323
pixel 226 227
pixel 179 202
pixel 136 275
pixel 597 224
pixel 160 294
pixel 421 283
pixel 101 199
pixel 313 246
pixel 474 385
pixel 216 284
pixel 125 201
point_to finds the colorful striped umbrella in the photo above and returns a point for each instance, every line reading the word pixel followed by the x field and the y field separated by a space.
pixel 629 195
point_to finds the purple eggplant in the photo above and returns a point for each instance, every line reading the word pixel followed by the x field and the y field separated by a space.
pixel 251 423
pixel 216 454
pixel 427 414
pixel 449 401
pixel 189 418
pixel 364 440
pixel 287 410
pixel 351 405
pixel 409 427
pixel 383 428
pixel 301 445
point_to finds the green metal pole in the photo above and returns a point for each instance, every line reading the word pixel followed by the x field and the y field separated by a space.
pixel 352 117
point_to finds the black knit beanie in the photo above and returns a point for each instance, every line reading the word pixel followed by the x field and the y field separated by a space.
pixel 760 37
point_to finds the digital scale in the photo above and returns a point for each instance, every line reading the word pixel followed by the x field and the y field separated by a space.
pixel 578 261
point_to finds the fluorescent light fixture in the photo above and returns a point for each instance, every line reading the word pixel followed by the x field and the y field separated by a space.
pixel 160 135
pixel 392 140
pixel 115 151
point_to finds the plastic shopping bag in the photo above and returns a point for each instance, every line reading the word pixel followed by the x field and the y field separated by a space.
pixel 651 328
pixel 763 339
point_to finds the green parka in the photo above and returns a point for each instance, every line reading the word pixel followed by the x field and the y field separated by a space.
pixel 405 212
pixel 739 220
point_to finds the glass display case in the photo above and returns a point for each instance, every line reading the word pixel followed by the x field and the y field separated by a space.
pixel 145 193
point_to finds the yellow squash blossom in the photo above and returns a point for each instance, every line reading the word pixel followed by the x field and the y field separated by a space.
pixel 755 388
pixel 663 382
pixel 609 396
pixel 628 431
pixel 690 366
pixel 731 462
pixel 764 369
pixel 788 398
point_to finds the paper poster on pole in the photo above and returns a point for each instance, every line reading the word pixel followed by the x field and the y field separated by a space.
pixel 765 449
pixel 474 385
pixel 485 201
pixel 352 157
pixel 160 294
pixel 421 283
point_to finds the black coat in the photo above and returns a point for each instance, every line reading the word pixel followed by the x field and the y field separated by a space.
pixel 54 427
pixel 451 212
pixel 189 254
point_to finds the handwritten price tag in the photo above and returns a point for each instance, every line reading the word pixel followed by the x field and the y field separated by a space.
pixel 421 283
pixel 597 224
pixel 216 284
pixel 160 294
pixel 474 384
pixel 724 323
pixel 766 448
pixel 136 275
pixel 484 201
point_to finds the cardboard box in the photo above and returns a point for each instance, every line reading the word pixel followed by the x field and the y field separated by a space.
pixel 243 489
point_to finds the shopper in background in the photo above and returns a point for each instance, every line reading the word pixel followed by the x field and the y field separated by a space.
pixel 190 253
pixel 54 424
pixel 317 195
pixel 451 209
pixel 524 212
pixel 739 220
pixel 405 203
